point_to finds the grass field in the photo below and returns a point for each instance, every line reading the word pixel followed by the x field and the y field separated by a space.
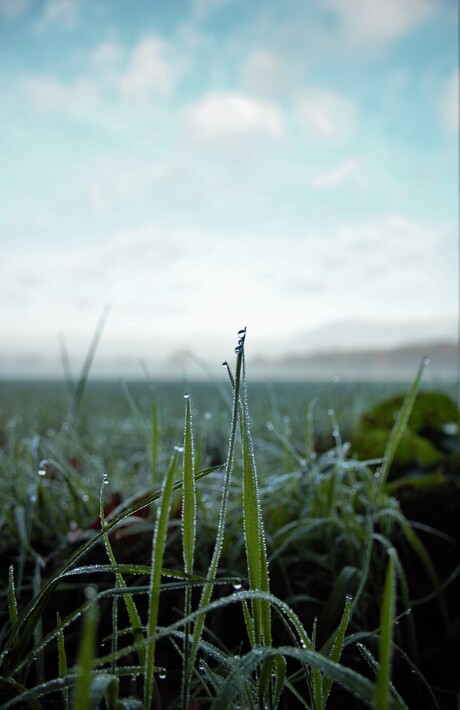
pixel 224 549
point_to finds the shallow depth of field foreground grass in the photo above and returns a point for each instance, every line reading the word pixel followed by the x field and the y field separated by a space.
pixel 279 578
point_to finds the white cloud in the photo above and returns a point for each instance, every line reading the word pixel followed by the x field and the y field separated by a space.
pixel 265 71
pixel 192 288
pixel 351 171
pixel 59 12
pixel 202 8
pixel 11 9
pixel 49 94
pixel 326 114
pixel 366 22
pixel 449 103
pixel 104 93
pixel 120 178
pixel 223 114
pixel 149 69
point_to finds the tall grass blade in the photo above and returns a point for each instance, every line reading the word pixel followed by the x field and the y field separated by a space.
pixel 158 547
pixel 62 660
pixel 212 571
pixel 256 554
pixel 86 657
pixel 188 534
pixel 337 647
pixel 81 384
pixel 133 614
pixel 387 619
pixel 398 430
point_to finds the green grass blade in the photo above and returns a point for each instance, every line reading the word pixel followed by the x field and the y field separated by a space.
pixel 387 619
pixel 189 493
pixel 337 647
pixel 398 430
pixel 133 614
pixel 158 547
pixel 80 388
pixel 235 681
pixel 86 656
pixel 188 535
pixel 62 660
pixel 256 553
pixel 208 588
pixel 12 602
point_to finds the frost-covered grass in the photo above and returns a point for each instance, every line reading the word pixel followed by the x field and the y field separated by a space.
pixel 138 575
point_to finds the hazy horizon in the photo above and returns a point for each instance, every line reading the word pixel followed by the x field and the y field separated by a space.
pixel 204 165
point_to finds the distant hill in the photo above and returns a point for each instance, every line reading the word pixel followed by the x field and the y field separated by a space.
pixel 399 363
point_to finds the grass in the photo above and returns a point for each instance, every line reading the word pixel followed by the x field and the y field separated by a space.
pixel 279 584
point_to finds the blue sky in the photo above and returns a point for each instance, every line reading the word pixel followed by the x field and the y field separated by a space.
pixel 202 165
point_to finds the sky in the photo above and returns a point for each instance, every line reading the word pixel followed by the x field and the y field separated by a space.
pixel 202 165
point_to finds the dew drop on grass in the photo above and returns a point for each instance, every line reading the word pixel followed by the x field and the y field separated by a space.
pixel 85 497
pixel 179 449
pixel 186 395
pixel 162 673
pixel 41 471
pixel 330 412
pixel 336 433
pixel 269 426
pixel 336 378
pixel 237 586
pixel 426 360
pixel 242 333
pixel 105 479
pixel 207 415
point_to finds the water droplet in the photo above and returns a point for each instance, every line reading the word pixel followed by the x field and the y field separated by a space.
pixel 426 360
pixel 225 363
pixel 269 426
pixel 336 433
pixel 162 673
pixel 33 498
pixel 105 479
pixel 377 474
pixel 237 586
pixel 50 432
pixel 201 667
pixel 330 412
pixel 85 497
pixel 41 471
pixel 186 395
pixel 336 378
pixel 238 349
pixel 207 415
pixel 179 449
pixel 348 598
pixel 242 333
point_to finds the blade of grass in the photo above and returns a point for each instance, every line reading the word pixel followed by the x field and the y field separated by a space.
pixel 158 547
pixel 337 647
pixel 86 655
pixel 81 384
pixel 188 536
pixel 62 660
pixel 219 541
pixel 387 619
pixel 133 614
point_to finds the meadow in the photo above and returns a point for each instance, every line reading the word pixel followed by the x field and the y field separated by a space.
pixel 225 545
